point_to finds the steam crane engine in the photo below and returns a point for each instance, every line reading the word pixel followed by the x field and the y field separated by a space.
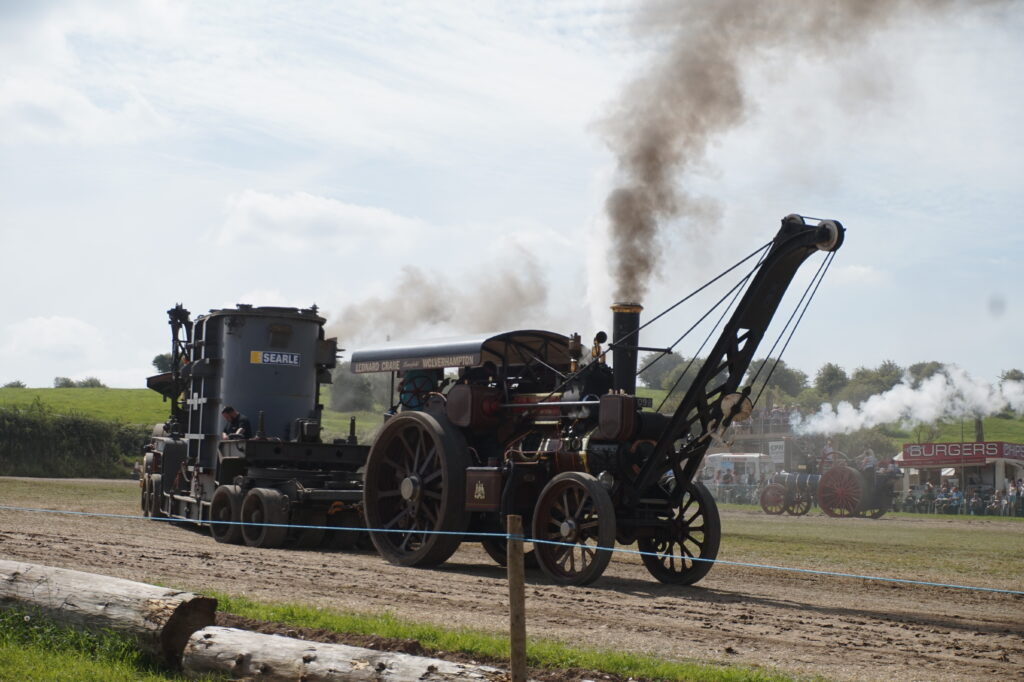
pixel 534 425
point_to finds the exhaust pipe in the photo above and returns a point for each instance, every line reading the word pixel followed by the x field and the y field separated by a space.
pixel 625 323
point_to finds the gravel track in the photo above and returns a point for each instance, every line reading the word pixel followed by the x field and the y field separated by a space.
pixel 839 628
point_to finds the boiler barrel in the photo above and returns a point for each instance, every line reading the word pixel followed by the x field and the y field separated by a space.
pixel 795 481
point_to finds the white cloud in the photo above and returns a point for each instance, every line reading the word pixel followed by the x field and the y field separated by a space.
pixel 270 297
pixel 860 275
pixel 299 221
pixel 37 349
pixel 33 111
pixel 56 334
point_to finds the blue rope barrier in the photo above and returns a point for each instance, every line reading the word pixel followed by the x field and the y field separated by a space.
pixel 537 541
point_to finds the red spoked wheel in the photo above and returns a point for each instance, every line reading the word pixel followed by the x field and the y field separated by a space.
pixel 773 499
pixel 840 491
pixel 799 505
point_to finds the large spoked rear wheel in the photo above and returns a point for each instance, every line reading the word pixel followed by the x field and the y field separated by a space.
pixel 840 491
pixel 225 514
pixel 773 499
pixel 263 506
pixel 575 511
pixel 683 550
pixel 414 490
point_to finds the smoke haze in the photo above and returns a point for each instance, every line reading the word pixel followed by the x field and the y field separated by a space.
pixel 665 120
pixel 492 299
pixel 950 394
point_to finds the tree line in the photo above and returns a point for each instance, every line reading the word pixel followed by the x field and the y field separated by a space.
pixel 791 386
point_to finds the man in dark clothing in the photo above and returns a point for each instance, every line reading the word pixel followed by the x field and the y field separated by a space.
pixel 236 425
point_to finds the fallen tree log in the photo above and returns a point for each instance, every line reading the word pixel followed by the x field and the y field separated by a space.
pixel 252 655
pixel 159 618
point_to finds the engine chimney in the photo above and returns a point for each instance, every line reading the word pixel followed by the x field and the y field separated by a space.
pixel 625 323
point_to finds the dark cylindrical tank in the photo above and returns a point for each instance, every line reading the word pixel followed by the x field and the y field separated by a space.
pixel 625 337
pixel 267 361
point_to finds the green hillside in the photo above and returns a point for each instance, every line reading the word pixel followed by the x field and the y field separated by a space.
pixel 1006 429
pixel 127 405
pixel 143 406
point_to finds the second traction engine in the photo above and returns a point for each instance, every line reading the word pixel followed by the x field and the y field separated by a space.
pixel 533 423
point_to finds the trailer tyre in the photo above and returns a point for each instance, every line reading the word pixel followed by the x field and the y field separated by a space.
pixel 156 496
pixel 144 503
pixel 264 506
pixel 226 512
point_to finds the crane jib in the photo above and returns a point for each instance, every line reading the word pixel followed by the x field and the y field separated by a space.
pixel 700 412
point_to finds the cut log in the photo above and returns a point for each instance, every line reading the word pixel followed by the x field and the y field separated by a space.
pixel 159 618
pixel 255 656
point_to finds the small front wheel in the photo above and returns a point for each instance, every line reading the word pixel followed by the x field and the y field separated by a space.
pixel 773 499
pixel 574 522
pixel 683 549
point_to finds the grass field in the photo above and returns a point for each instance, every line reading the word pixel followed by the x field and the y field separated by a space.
pixel 982 551
pixel 36 649
pixel 127 405
pixel 143 406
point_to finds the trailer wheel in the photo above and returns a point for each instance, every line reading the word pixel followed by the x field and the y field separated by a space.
pixel 575 511
pixel 144 502
pixel 264 506
pixel 414 490
pixel 226 512
pixel 156 496
pixel 773 499
pixel 683 551
pixel 840 491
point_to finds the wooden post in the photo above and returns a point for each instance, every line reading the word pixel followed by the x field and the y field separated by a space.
pixel 516 599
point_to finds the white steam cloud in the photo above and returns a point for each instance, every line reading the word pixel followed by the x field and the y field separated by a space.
pixel 950 394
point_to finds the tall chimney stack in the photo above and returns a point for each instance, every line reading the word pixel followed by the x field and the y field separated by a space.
pixel 625 323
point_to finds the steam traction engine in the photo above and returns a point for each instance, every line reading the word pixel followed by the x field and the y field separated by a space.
pixel 532 427
pixel 841 490
pixel 268 363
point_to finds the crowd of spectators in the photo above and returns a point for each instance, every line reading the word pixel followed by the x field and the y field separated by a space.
pixel 949 499
pixel 778 419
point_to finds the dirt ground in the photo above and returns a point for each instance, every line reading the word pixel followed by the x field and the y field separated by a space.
pixel 838 628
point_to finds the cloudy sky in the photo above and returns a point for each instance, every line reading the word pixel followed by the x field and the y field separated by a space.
pixel 450 158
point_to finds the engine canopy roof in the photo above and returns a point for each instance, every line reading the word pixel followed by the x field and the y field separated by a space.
pixel 519 347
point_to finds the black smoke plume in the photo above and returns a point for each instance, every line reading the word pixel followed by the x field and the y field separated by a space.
pixel 693 91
